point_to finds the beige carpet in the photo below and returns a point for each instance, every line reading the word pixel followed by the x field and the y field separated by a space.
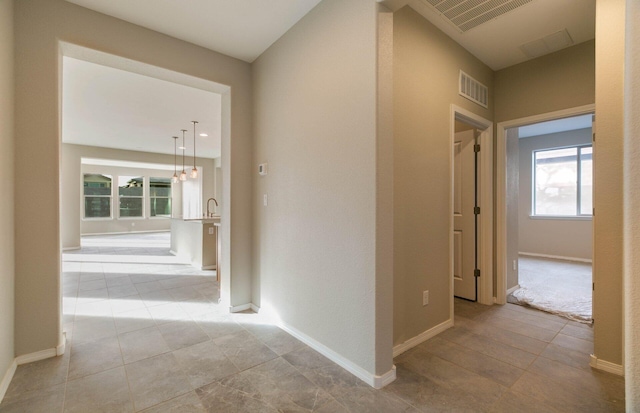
pixel 555 286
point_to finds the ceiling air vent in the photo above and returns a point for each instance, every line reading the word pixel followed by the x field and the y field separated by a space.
pixel 473 90
pixel 467 14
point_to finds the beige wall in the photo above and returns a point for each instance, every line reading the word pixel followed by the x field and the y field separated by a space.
pixel 315 125
pixel 607 198
pixel 632 206
pixel 513 208
pixel 40 24
pixel 426 69
pixel 6 188
pixel 558 237
pixel 72 224
pixel 561 80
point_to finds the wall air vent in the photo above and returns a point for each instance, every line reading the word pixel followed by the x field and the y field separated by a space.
pixel 473 90
pixel 467 14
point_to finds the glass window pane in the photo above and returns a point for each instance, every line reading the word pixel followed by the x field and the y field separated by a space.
pixel 130 207
pixel 160 187
pixel 130 186
pixel 586 180
pixel 556 177
pixel 97 207
pixel 95 184
pixel 160 207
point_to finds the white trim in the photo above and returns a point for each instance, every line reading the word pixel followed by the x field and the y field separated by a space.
pixel 512 289
pixel 71 248
pixel 607 366
pixel 485 224
pixel 255 308
pixel 422 337
pixel 555 257
pixel 37 356
pixel 63 344
pixel 6 379
pixel 375 381
pixel 501 182
pixel 124 233
pixel 207 267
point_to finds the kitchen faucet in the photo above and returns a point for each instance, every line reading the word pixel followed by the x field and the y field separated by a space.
pixel 210 214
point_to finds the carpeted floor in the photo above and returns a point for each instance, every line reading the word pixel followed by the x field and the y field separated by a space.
pixel 555 286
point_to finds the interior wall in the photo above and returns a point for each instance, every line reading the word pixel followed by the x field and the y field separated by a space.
pixel 569 238
pixel 632 206
pixel 7 269
pixel 561 80
pixel 40 26
pixel 425 79
pixel 513 208
pixel 608 196
pixel 315 125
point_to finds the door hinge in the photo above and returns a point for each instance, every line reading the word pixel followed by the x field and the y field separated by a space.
pixel 593 137
pixel 593 212
pixel 593 286
pixel 476 272
pixel 476 210
pixel 476 148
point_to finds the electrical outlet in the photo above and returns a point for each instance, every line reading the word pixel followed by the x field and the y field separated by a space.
pixel 265 200
pixel 425 297
pixel 210 230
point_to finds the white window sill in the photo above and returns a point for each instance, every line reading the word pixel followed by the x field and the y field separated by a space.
pixel 562 217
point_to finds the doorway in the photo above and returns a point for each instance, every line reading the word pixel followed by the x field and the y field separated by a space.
pixel 544 212
pixel 471 239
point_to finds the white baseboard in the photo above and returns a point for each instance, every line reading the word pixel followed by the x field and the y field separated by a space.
pixel 208 267
pixel 421 338
pixel 244 307
pixel 375 381
pixel 512 289
pixel 6 379
pixel 63 344
pixel 125 232
pixel 555 257
pixel 607 366
pixel 71 248
pixel 37 356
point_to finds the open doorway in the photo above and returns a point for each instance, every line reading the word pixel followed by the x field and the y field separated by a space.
pixel 546 250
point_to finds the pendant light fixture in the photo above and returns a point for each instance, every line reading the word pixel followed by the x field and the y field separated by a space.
pixel 183 174
pixel 194 171
pixel 174 178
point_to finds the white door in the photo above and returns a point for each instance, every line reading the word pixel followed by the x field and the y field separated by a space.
pixel 464 228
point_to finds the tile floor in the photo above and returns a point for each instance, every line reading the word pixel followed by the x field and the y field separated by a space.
pixel 145 333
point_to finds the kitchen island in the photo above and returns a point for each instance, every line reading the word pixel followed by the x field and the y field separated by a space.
pixel 196 241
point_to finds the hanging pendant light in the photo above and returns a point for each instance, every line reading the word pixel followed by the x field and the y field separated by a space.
pixel 194 171
pixel 183 174
pixel 174 178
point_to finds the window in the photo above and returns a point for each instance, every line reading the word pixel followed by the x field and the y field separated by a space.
pixel 160 197
pixel 97 196
pixel 563 181
pixel 131 196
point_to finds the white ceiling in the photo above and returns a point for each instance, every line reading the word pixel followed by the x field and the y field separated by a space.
pixel 497 42
pixel 239 28
pixel 113 108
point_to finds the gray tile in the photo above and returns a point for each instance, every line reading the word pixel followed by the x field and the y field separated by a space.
pixel 244 350
pixel 217 325
pixel 92 329
pixel 578 332
pixel 94 357
pixel 124 290
pixel 187 403
pixel 514 402
pixel 507 337
pixel 166 313
pixel 275 338
pixel 280 385
pixel 489 347
pixel 221 399
pixel 92 285
pixel 519 327
pixel 142 344
pixel 156 380
pixel 46 400
pixel 103 392
pixel 148 287
pixel 203 363
pixel 489 367
pixel 179 334
pixel 133 320
pixel 570 357
pixel 39 375
pixel 573 343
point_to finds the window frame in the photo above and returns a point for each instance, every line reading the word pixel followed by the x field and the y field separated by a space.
pixel 578 216
pixel 84 198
